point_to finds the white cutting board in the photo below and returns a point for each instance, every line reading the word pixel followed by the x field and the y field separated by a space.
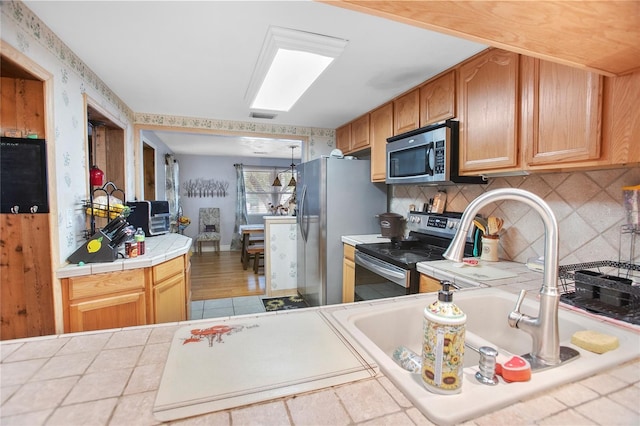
pixel 251 360
pixel 480 272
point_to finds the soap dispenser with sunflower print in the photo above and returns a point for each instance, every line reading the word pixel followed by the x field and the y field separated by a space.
pixel 443 344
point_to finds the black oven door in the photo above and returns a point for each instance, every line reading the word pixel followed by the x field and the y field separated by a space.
pixel 377 279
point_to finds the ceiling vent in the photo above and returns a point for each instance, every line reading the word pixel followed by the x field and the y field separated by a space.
pixel 263 115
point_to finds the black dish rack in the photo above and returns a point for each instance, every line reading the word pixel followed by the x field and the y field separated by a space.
pixel 603 287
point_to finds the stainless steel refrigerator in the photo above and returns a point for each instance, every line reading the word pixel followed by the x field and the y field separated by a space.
pixel 335 197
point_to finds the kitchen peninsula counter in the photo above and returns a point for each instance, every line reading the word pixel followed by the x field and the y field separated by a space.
pixel 158 249
pixel 112 377
pixel 149 289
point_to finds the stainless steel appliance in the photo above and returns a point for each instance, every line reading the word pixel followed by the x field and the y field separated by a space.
pixel 388 269
pixel 335 197
pixel 151 216
pixel 428 155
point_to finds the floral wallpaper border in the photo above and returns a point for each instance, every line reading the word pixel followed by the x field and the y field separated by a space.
pixel 37 29
pixel 229 125
pixel 316 135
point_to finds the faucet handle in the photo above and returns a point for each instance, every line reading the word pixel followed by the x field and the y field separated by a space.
pixel 516 315
pixel 520 299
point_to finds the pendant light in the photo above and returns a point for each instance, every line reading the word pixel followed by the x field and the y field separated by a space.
pixel 96 176
pixel 292 182
pixel 277 182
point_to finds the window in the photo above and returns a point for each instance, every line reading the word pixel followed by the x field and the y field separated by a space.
pixel 260 193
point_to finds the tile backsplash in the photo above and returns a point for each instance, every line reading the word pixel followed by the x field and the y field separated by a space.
pixel 588 207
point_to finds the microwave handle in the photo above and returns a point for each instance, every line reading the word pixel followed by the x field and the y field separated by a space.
pixel 430 159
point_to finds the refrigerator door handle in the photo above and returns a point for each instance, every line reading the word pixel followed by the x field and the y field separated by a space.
pixel 303 198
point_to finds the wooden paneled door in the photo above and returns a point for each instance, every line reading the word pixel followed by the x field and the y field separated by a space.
pixel 26 307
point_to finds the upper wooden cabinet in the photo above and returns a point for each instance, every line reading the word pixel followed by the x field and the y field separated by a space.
pixel 561 108
pixel 523 114
pixel 406 112
pixel 489 95
pixel 438 99
pixel 621 119
pixel 381 128
pixel 343 138
pixel 360 133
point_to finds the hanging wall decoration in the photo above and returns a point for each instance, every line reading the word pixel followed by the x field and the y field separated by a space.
pixel 205 188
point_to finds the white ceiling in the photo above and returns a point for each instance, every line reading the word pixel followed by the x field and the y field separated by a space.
pixel 195 59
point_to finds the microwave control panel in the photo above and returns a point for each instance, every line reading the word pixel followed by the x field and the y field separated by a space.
pixel 440 158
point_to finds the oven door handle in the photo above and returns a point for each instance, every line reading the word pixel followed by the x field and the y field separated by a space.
pixel 392 273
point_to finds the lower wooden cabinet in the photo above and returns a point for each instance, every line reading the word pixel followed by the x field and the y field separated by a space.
pixel 127 298
pixel 168 292
pixel 167 298
pixel 123 310
pixel 429 284
pixel 26 290
pixel 102 301
pixel 348 274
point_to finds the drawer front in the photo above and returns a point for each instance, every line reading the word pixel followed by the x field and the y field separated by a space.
pixel 168 269
pixel 107 283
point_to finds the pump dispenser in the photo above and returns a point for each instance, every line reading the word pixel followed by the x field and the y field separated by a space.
pixel 443 345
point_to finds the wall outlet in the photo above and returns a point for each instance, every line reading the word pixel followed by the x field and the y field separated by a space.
pixel 69 218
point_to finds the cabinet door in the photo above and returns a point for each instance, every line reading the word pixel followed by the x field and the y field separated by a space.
pixel 406 112
pixel 438 99
pixel 621 119
pixel 343 138
pixel 348 274
pixel 561 113
pixel 26 291
pixel 168 300
pixel 488 109
pixel 360 133
pixel 381 128
pixel 429 284
pixel 122 310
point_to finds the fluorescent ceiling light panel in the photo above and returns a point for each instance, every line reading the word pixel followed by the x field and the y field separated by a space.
pixel 288 65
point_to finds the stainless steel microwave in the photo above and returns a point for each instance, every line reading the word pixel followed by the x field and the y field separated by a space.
pixel 426 156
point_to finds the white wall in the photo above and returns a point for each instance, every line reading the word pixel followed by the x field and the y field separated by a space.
pixel 218 168
pixel 66 141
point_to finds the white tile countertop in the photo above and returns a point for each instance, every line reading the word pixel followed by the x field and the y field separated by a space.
pixel 158 249
pixel 112 377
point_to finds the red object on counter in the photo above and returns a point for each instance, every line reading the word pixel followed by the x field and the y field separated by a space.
pixel 517 369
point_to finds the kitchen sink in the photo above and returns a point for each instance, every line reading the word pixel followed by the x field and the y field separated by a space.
pixel 379 328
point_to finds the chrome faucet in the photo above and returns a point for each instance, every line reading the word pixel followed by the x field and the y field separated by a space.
pixel 546 350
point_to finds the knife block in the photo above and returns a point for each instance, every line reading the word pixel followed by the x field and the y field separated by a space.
pixel 97 249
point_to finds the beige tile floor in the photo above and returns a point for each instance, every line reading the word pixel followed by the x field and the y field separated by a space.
pixel 214 308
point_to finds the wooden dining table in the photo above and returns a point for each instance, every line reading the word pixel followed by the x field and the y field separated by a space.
pixel 247 231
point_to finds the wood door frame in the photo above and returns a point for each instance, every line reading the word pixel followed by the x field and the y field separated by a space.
pixel 149 169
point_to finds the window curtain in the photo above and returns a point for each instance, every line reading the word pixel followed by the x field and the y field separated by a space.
pixel 172 187
pixel 241 208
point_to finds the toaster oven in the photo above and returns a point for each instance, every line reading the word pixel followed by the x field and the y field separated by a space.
pixel 151 216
